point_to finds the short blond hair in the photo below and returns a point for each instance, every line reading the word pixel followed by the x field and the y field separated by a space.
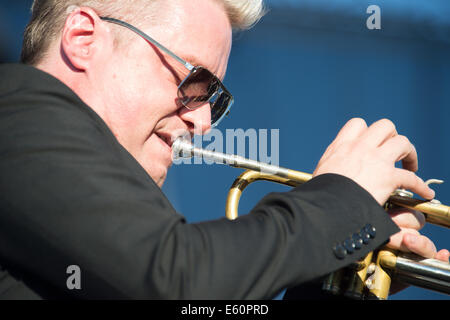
pixel 48 18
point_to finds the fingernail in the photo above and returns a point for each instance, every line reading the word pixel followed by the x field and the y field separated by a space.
pixel 432 192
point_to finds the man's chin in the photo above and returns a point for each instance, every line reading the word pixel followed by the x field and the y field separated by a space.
pixel 159 178
pixel 161 182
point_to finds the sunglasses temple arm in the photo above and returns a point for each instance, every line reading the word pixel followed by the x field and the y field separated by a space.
pixel 149 39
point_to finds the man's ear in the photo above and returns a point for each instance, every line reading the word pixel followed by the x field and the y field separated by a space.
pixel 81 36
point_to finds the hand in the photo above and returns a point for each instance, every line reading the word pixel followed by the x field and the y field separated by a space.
pixel 367 155
pixel 410 240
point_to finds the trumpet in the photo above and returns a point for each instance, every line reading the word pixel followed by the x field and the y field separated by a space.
pixel 369 278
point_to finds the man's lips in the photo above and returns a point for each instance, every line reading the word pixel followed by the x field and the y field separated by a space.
pixel 166 138
pixel 169 136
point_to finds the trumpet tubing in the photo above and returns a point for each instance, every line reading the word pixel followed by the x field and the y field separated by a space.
pixel 368 278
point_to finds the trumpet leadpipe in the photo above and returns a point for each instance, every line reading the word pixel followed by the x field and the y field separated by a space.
pixel 183 148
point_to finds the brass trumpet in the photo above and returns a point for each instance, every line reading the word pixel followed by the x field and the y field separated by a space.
pixel 369 278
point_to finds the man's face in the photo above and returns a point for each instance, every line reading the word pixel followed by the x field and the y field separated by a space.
pixel 139 82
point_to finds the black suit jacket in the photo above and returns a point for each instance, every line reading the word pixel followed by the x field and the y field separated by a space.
pixel 70 194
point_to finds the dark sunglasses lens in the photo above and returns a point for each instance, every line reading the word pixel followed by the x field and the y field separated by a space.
pixel 219 106
pixel 198 88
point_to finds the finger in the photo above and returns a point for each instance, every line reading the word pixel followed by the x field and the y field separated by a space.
pixel 379 132
pixel 353 129
pixel 396 240
pixel 349 132
pixel 443 255
pixel 408 218
pixel 408 180
pixel 400 148
pixel 411 161
pixel 420 245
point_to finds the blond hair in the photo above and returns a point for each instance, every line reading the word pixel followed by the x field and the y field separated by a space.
pixel 48 18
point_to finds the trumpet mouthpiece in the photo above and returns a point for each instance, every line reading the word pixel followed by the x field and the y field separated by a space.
pixel 182 148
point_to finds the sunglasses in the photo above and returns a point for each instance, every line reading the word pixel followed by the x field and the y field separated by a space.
pixel 199 87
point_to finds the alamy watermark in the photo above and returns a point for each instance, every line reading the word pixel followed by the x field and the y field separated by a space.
pixel 74 280
pixel 250 143
pixel 373 22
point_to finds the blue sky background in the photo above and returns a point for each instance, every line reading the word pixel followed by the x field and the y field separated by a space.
pixel 307 68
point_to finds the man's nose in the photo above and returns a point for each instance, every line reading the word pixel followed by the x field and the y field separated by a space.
pixel 199 118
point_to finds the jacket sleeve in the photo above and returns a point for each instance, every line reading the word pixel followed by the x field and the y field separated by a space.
pixel 71 195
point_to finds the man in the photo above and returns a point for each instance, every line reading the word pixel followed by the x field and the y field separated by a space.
pixel 87 127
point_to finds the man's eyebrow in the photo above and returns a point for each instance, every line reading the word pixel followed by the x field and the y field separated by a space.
pixel 192 60
pixel 195 62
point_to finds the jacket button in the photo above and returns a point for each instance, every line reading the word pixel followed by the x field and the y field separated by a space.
pixel 370 230
pixel 349 245
pixel 339 251
pixel 364 236
pixel 357 240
